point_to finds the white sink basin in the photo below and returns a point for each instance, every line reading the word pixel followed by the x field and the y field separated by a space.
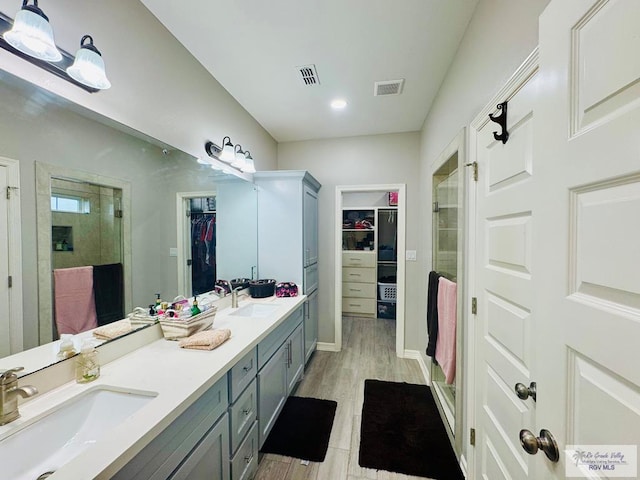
pixel 256 310
pixel 52 439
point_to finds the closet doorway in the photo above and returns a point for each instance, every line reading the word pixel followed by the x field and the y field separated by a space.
pixel 370 245
pixel 197 242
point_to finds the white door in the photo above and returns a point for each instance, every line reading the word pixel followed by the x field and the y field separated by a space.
pixel 10 259
pixel 5 344
pixel 587 228
pixel 505 284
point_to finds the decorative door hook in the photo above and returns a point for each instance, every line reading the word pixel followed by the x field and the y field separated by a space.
pixel 502 121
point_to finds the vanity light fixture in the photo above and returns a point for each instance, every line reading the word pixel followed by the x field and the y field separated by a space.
pixel 228 153
pixel 244 164
pixel 30 37
pixel 239 159
pixel 32 34
pixel 249 165
pixel 88 67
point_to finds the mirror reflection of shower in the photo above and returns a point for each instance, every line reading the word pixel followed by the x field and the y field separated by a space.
pixel 86 245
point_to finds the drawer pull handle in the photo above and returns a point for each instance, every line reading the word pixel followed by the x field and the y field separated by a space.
pixel 354 275
pixel 247 368
pixel 248 458
pixel 355 305
pixel 355 259
pixel 355 290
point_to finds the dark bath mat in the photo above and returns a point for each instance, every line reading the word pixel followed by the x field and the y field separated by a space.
pixel 302 429
pixel 402 432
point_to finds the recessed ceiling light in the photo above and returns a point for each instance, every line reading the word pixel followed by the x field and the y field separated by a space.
pixel 338 104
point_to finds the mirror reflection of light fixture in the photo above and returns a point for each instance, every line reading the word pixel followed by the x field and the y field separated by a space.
pixel 228 154
pixel 239 159
pixel 249 165
pixel 244 165
pixel 88 67
pixel 32 34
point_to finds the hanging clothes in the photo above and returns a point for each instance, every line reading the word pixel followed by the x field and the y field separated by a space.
pixel 203 252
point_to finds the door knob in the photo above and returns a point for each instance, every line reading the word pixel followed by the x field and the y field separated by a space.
pixel 545 442
pixel 525 392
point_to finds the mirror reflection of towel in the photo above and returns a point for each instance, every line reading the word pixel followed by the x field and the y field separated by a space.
pixel 447 320
pixel 74 304
pixel 432 313
pixel 108 288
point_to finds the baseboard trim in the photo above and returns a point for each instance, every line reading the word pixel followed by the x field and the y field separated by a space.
pixel 415 355
pixel 327 347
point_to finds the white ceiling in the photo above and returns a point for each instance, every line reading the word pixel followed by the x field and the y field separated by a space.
pixel 253 46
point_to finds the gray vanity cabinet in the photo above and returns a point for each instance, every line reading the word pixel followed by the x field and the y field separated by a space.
pixel 243 417
pixel 197 441
pixel 208 461
pixel 310 325
pixel 281 365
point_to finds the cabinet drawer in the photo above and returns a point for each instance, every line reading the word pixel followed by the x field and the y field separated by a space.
pixel 244 463
pixel 358 259
pixel 359 290
pixel 354 274
pixel 242 415
pixel 242 373
pixel 310 279
pixel 359 305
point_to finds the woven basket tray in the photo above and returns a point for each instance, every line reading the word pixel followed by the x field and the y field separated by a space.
pixel 176 329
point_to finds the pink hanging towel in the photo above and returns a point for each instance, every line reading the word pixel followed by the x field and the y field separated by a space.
pixel 74 302
pixel 447 314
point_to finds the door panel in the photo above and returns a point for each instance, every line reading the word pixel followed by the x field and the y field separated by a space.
pixel 589 303
pixel 505 283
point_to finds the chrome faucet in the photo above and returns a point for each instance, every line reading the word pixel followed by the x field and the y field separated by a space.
pixel 234 297
pixel 220 291
pixel 9 391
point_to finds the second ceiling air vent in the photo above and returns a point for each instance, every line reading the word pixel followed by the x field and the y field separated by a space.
pixel 308 74
pixel 389 87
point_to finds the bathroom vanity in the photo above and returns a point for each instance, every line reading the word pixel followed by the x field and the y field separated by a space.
pixel 210 411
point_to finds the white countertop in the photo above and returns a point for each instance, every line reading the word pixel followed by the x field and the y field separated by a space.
pixel 179 376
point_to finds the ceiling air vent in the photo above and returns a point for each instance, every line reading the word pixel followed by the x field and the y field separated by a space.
pixel 389 87
pixel 309 75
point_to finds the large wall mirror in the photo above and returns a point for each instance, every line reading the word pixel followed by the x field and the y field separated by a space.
pixel 131 182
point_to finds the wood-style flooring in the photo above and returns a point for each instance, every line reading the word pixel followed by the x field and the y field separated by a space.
pixel 368 352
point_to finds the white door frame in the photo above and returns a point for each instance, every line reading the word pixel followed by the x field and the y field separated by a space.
pixel 526 70
pixel 184 277
pixel 15 319
pixel 401 266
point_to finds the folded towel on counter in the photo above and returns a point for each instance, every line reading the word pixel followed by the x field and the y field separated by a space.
pixel 206 340
pixel 113 330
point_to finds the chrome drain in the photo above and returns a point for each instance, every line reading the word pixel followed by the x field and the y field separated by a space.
pixel 45 475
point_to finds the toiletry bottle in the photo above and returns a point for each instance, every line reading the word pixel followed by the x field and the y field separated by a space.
pixel 67 349
pixel 195 310
pixel 87 366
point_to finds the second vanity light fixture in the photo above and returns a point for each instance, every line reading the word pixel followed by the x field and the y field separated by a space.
pixel 232 155
pixel 30 36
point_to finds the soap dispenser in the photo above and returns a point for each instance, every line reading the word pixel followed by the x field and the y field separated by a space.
pixel 87 366
pixel 67 349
